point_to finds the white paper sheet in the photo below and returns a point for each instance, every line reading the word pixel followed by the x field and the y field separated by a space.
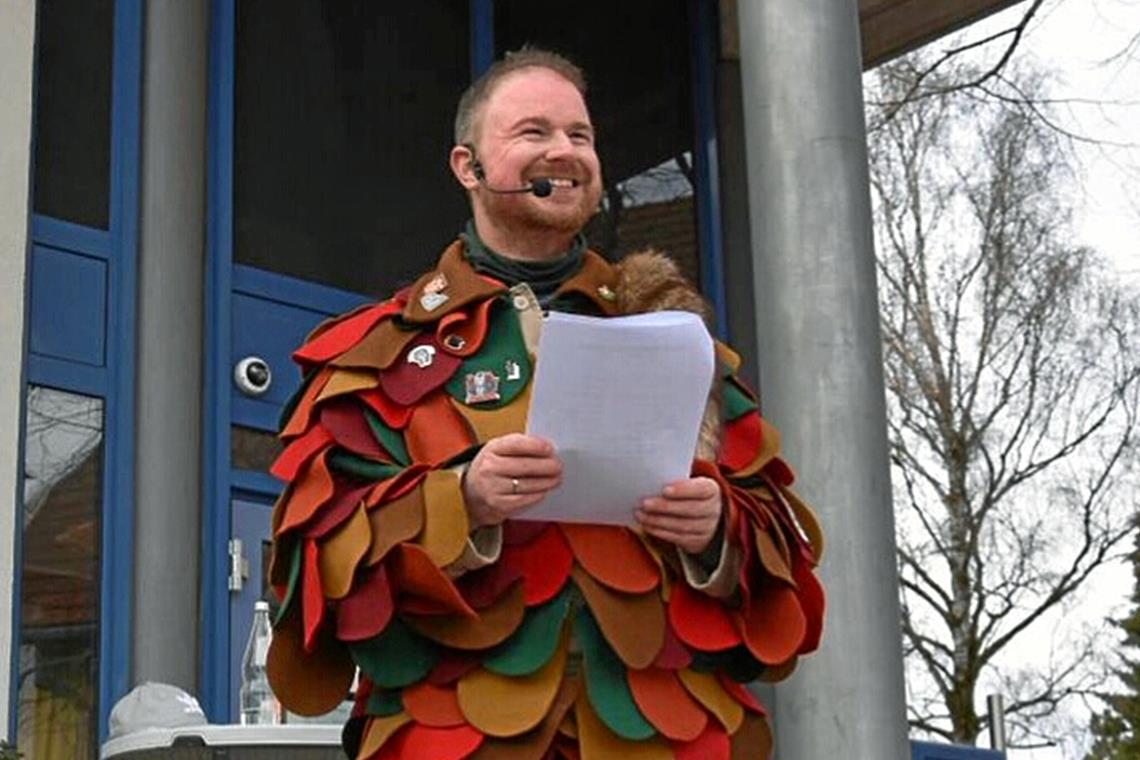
pixel 622 401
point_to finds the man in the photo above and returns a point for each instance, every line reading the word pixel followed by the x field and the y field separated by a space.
pixel 402 546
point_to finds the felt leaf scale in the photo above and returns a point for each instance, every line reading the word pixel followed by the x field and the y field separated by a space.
pixel 586 636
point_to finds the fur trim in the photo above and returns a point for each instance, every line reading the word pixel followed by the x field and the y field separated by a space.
pixel 650 281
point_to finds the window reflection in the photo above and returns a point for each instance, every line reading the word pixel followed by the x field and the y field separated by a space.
pixel 59 604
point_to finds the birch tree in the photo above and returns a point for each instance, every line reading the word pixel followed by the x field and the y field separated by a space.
pixel 1012 374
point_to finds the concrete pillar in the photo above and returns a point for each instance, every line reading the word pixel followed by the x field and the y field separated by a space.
pixel 820 364
pixel 169 376
pixel 17 39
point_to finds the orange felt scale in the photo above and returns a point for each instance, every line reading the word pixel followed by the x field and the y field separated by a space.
pixel 346 381
pixel 769 450
pixel 416 742
pixel 378 731
pixel 534 744
pixel 394 488
pixel 436 432
pixel 302 416
pixel 712 744
pixel 340 553
pixel 461 333
pixel 312 600
pixel 486 424
pixel 753 741
pixel 492 626
pixel 343 504
pixel 414 573
pixel 504 706
pixel 444 536
pixel 341 336
pixel 433 706
pixel 368 608
pixel 308 494
pixel 343 419
pixel 633 624
pixel 613 555
pixel 667 704
pixel 394 523
pixel 739 443
pixel 379 349
pixel 544 563
pixel 708 691
pixel 308 683
pixel 393 415
pixel 773 625
pixel 299 452
pixel 700 621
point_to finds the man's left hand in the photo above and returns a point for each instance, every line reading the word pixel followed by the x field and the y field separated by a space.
pixel 686 513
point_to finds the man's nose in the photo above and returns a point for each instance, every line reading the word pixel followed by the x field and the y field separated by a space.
pixel 560 145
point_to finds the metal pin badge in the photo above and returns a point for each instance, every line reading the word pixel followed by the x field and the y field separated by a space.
pixel 520 302
pixel 606 292
pixel 436 284
pixel 480 387
pixel 454 342
pixel 422 356
pixel 432 301
pixel 514 372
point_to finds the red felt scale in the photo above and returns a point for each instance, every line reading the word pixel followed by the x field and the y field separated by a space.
pixel 406 382
pixel 368 608
pixel 344 502
pixel 741 441
pixel 299 452
pixel 418 742
pixel 544 564
pixel 312 599
pixel 394 415
pixel 773 625
pixel 613 556
pixel 712 744
pixel 344 335
pixel 414 574
pixel 347 426
pixel 701 621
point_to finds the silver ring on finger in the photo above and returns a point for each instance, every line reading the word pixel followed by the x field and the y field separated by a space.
pixel 514 485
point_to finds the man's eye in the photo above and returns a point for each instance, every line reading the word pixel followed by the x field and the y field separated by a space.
pixel 532 132
pixel 583 138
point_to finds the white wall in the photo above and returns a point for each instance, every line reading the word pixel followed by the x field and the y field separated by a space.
pixel 17 27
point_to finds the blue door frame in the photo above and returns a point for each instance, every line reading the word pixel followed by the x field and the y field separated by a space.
pixel 98 361
pixel 228 283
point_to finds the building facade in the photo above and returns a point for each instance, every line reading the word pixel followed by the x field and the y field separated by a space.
pixel 189 186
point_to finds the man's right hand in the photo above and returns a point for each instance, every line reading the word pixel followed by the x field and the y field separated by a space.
pixel 508 475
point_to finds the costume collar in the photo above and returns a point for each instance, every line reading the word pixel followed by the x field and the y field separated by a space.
pixel 454 284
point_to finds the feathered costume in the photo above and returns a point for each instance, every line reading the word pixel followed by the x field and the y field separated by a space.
pixel 533 640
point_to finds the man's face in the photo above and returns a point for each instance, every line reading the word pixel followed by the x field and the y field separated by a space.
pixel 535 125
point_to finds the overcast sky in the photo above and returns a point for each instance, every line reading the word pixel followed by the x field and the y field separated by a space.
pixel 1074 39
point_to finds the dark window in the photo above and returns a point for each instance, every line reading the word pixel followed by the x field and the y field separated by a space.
pixel 342 128
pixel 59 603
pixel 252 449
pixel 636 57
pixel 74 44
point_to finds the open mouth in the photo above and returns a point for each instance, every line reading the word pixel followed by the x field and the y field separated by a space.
pixel 563 182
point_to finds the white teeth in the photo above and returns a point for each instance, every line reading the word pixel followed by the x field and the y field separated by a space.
pixel 562 182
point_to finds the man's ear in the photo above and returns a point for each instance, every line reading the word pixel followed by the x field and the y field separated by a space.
pixel 462 162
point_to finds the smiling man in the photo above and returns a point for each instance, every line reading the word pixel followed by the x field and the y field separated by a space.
pixel 402 545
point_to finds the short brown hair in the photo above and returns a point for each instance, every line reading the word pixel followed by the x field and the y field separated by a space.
pixel 475 96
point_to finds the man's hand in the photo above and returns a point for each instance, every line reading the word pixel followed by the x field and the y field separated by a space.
pixel 508 475
pixel 686 513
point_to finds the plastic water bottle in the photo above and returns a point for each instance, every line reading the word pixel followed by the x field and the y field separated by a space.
pixel 258 705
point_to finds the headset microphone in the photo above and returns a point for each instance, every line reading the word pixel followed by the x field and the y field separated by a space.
pixel 541 187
